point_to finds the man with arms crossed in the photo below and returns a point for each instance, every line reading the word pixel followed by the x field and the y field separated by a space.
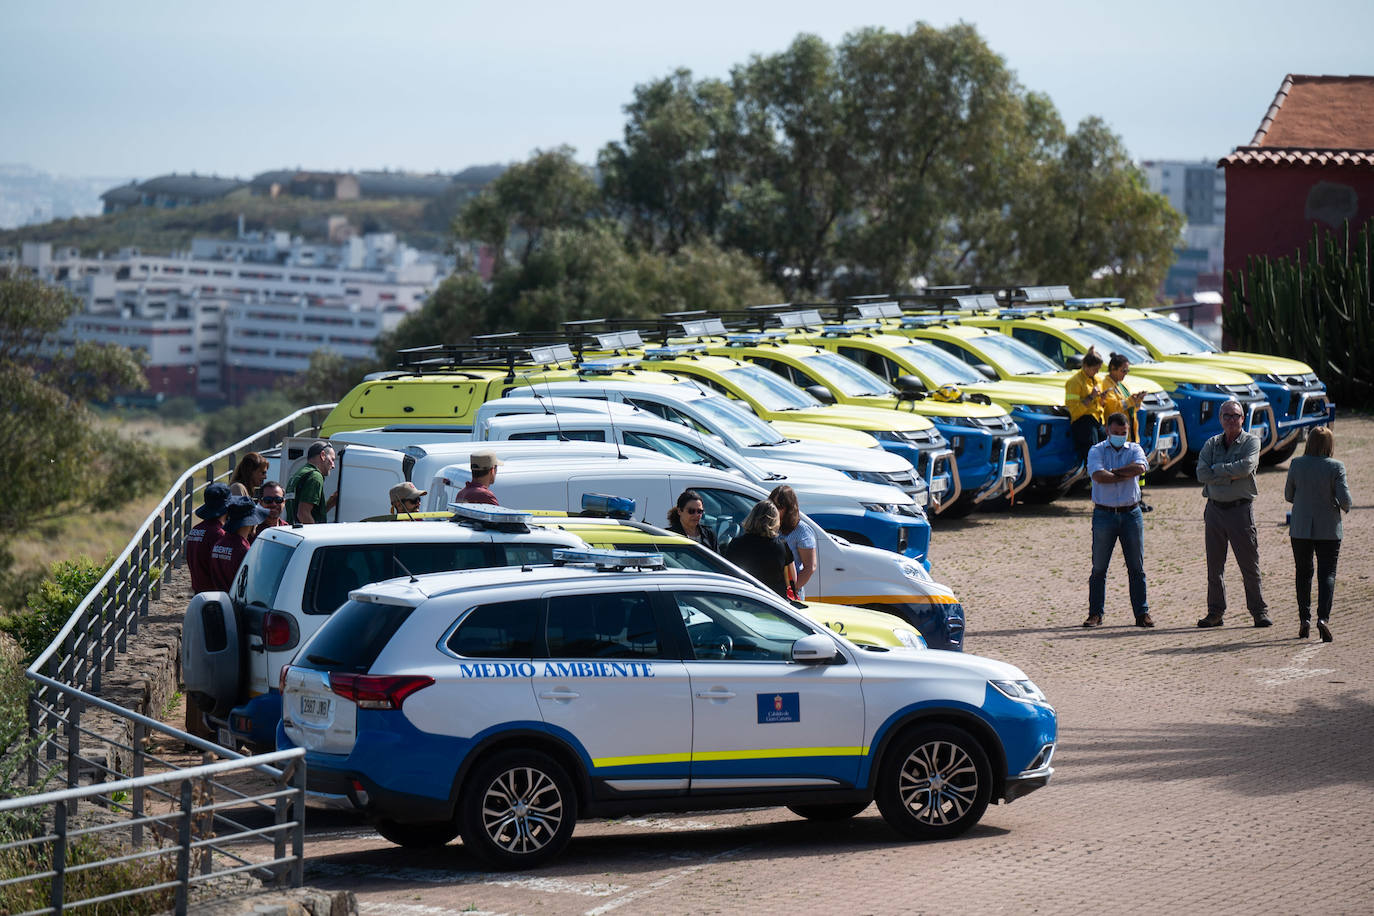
pixel 1115 466
pixel 1226 467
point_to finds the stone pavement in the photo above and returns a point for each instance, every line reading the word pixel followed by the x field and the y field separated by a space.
pixel 1198 771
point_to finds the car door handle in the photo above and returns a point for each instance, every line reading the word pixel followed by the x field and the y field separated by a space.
pixel 717 693
pixel 559 695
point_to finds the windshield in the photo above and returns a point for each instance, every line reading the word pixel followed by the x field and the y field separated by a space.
pixel 851 378
pixel 734 422
pixel 1108 342
pixel 770 390
pixel 938 366
pixel 1015 357
pixel 262 571
pixel 1171 338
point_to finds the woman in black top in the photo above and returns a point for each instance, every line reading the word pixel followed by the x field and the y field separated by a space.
pixel 759 551
pixel 685 519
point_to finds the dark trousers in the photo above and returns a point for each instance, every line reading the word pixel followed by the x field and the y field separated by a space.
pixel 1327 553
pixel 1086 432
pixel 1233 527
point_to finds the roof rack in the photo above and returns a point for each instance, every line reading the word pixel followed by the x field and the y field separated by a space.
pixel 494 350
pixel 608 559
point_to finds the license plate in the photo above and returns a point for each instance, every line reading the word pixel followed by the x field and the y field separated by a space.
pixel 939 486
pixel 1166 443
pixel 1011 469
pixel 225 739
pixel 314 707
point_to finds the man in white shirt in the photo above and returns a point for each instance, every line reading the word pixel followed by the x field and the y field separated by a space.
pixel 1115 466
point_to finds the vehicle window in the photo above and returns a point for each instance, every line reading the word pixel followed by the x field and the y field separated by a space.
pixel 1014 356
pixel 615 625
pixel 354 636
pixel 874 362
pixel 852 379
pixel 575 435
pixel 336 571
pixel 1171 337
pixel 263 567
pixel 674 448
pixel 1108 342
pixel 502 630
pixel 522 554
pixel 725 512
pixel 1042 342
pixel 939 367
pixel 666 412
pixel 733 627
pixel 687 556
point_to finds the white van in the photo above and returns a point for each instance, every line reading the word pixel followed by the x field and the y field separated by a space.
pixel 846 573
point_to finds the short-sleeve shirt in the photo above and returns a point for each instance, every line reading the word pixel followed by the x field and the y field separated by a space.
pixel 225 558
pixel 306 486
pixel 798 539
pixel 1078 387
pixel 200 540
pixel 763 558
pixel 476 493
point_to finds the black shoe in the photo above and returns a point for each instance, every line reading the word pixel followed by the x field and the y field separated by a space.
pixel 1145 620
pixel 1094 620
pixel 1324 629
pixel 1211 620
pixel 1303 630
pixel 1263 622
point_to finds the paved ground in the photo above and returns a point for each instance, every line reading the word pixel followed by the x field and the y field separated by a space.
pixel 1213 771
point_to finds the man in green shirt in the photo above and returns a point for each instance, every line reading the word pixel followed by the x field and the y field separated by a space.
pixel 305 502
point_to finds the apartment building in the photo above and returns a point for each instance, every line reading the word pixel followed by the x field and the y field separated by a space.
pixel 1197 189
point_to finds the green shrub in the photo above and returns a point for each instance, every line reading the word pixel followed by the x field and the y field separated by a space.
pixel 52 603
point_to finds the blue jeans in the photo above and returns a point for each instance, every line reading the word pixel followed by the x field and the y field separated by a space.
pixel 1108 528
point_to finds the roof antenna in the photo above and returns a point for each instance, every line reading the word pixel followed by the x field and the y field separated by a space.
pixel 397 561
pixel 615 437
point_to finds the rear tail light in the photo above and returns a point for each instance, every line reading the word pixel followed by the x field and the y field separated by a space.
pixel 276 631
pixel 377 691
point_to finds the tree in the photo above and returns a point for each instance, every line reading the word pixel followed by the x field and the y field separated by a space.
pixel 327 379
pixel 549 191
pixel 57 456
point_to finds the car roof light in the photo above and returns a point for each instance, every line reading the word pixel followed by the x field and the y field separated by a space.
pixel 850 328
pixel 803 318
pixel 555 353
pixel 1047 293
pixel 672 351
pixel 1097 303
pixel 604 504
pixel 748 338
pixel 703 327
pixel 483 514
pixel 608 364
pixel 608 559
pixel 875 310
pixel 985 302
pixel 1026 311
pixel 619 340
pixel 923 321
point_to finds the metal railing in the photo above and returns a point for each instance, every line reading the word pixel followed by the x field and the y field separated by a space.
pixel 101 762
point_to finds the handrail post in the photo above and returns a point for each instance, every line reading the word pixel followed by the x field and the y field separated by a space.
pixel 59 856
pixel 73 746
pixel 298 833
pixel 32 712
pixel 279 819
pixel 184 850
pixel 140 732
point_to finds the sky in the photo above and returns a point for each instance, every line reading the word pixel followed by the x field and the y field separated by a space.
pixel 144 87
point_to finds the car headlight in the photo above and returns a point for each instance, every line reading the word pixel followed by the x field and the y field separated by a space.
pixel 909 638
pixel 883 508
pixel 913 570
pixel 1025 691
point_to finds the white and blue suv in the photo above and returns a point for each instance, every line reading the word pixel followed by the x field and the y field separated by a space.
pixel 504 704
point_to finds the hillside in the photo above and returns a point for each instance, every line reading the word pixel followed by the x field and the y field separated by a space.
pixel 424 224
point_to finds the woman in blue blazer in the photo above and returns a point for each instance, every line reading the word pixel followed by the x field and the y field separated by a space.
pixel 1317 489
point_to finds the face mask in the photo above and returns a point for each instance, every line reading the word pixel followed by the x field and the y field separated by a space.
pixel 1117 441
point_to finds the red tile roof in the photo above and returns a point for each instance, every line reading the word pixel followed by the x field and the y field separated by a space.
pixel 1317 121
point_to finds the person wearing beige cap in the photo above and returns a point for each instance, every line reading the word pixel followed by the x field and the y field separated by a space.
pixel 405 499
pixel 478 489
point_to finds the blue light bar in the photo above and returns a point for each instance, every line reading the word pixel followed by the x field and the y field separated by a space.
pixel 981 303
pixel 923 321
pixel 703 327
pixel 608 559
pixel 805 318
pixel 608 364
pixel 1026 311
pixel 753 337
pixel 850 328
pixel 875 310
pixel 488 515
pixel 608 505
pixel 1100 302
pixel 557 353
pixel 672 351
pixel 619 340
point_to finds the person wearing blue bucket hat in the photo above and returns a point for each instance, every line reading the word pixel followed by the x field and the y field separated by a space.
pixel 201 539
pixel 243 516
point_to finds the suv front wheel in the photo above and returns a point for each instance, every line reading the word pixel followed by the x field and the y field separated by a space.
pixel 935 784
pixel 518 810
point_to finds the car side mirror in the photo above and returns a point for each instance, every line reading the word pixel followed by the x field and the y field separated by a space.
pixel 820 393
pixel 986 371
pixel 1074 362
pixel 910 388
pixel 814 649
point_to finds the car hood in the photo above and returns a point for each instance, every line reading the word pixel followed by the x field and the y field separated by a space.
pixel 877 419
pixel 814 435
pixel 1250 363
pixel 1172 371
pixel 823 454
pixel 937 664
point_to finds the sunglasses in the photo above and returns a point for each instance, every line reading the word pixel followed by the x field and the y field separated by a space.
pixel 412 499
pixel 272 500
pixel 695 511
pixel 1232 416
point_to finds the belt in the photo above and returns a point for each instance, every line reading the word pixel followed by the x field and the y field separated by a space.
pixel 1228 503
pixel 1119 510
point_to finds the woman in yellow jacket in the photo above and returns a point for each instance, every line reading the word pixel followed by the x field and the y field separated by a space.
pixel 1083 398
pixel 1117 398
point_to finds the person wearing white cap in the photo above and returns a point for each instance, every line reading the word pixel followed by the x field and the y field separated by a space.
pixel 478 489
pixel 406 499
